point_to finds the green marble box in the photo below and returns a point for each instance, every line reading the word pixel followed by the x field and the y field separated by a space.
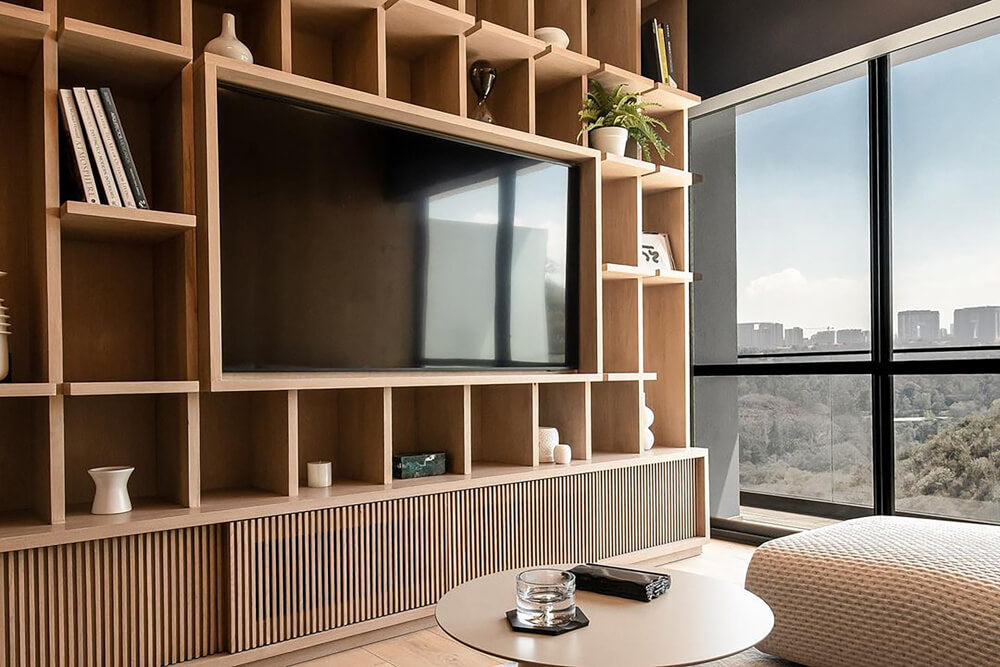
pixel 409 466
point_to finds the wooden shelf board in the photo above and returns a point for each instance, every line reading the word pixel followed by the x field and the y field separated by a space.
pixel 611 76
pixel 663 277
pixel 349 380
pixel 341 487
pixel 623 272
pixel 117 57
pixel 616 167
pixel 100 222
pixel 349 100
pixel 669 98
pixel 128 388
pixel 428 481
pixel 21 32
pixel 629 377
pixel 665 178
pixel 27 389
pixel 501 46
pixel 412 26
pixel 556 65
pixel 22 531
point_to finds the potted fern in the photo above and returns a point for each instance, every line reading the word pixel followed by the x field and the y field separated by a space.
pixel 613 117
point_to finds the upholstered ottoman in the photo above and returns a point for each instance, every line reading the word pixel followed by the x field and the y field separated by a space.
pixel 883 591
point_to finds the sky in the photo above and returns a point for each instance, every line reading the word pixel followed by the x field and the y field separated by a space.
pixel 802 178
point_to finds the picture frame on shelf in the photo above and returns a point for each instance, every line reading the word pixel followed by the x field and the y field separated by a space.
pixel 655 253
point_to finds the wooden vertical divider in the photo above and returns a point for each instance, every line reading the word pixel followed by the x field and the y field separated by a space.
pixel 567 407
pixel 591 254
pixel 613 32
pixel 505 424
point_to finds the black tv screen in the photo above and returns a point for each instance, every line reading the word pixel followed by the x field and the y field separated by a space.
pixel 352 244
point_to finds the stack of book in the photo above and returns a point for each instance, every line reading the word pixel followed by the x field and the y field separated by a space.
pixel 96 156
pixel 657 54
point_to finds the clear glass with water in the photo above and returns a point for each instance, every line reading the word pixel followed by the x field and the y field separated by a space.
pixel 546 597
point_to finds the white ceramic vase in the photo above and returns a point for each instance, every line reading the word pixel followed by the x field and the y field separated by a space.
pixel 226 44
pixel 646 418
pixel 111 494
pixel 319 474
pixel 4 357
pixel 610 140
pixel 548 438
pixel 552 35
pixel 563 454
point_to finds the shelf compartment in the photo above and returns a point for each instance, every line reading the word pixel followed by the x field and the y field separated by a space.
pixel 622 319
pixel 127 388
pixel 613 32
pixel 426 54
pixel 247 444
pixel 665 212
pixel 570 15
pixel 100 50
pixel 23 245
pixel 21 32
pixel 26 481
pixel 567 408
pixel 505 424
pixel 341 43
pixel 84 221
pixel 512 101
pixel 153 433
pixel 158 19
pixel 665 323
pixel 621 202
pixel 349 428
pixel 516 15
pixel 434 419
pixel 125 311
pixel 560 88
pixel 615 415
pixel 260 24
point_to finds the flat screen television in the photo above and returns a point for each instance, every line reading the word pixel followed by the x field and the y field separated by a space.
pixel 350 244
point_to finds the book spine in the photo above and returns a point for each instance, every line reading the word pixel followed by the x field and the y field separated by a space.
pixel 649 51
pixel 71 122
pixel 108 139
pixel 118 131
pixel 671 78
pixel 664 68
pixel 97 148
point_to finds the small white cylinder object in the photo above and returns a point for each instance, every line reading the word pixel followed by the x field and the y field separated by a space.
pixel 111 489
pixel 319 474
pixel 563 454
pixel 548 438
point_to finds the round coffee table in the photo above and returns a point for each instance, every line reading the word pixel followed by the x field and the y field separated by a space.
pixel 699 619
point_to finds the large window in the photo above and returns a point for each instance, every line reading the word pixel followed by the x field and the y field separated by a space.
pixel 847 330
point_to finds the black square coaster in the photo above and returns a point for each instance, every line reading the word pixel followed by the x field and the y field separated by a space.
pixel 580 621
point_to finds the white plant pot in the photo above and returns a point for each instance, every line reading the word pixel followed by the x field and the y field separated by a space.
pixel 111 494
pixel 610 140
pixel 226 44
pixel 4 356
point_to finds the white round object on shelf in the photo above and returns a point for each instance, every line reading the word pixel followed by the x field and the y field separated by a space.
pixel 563 454
pixel 319 474
pixel 548 438
pixel 648 439
pixel 610 140
pixel 111 489
pixel 553 35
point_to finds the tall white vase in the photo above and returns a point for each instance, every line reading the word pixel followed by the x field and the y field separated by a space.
pixel 226 44
pixel 111 494
pixel 4 357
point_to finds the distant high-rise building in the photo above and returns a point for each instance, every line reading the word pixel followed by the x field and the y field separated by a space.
pixel 852 337
pixel 977 326
pixel 760 335
pixel 795 337
pixel 824 338
pixel 918 326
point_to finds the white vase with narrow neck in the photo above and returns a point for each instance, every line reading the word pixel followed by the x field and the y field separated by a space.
pixel 226 44
pixel 111 494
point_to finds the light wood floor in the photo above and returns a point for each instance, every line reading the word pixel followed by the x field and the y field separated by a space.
pixel 432 648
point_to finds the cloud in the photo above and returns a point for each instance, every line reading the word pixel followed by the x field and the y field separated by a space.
pixel 794 299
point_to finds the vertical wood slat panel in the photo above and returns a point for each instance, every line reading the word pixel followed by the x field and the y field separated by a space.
pixel 133 600
pixel 384 558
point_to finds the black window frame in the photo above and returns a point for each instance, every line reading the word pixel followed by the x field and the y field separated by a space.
pixel 880 366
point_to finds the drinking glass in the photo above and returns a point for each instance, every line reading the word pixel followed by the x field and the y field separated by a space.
pixel 546 597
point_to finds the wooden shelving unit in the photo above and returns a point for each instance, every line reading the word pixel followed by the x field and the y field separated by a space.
pixel 116 319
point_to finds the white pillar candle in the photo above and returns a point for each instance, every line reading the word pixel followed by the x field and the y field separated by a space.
pixel 320 474
pixel 563 454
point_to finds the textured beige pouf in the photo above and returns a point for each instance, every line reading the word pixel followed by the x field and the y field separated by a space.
pixel 883 591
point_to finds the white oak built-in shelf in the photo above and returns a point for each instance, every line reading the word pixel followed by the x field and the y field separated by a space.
pixel 128 388
pixel 501 46
pixel 21 32
pixel 354 380
pixel 117 57
pixel 616 167
pixel 411 24
pixel 665 178
pixel 667 277
pixel 82 220
pixel 556 65
pixel 27 389
pixel 624 272
pixel 645 376
pixel 668 98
